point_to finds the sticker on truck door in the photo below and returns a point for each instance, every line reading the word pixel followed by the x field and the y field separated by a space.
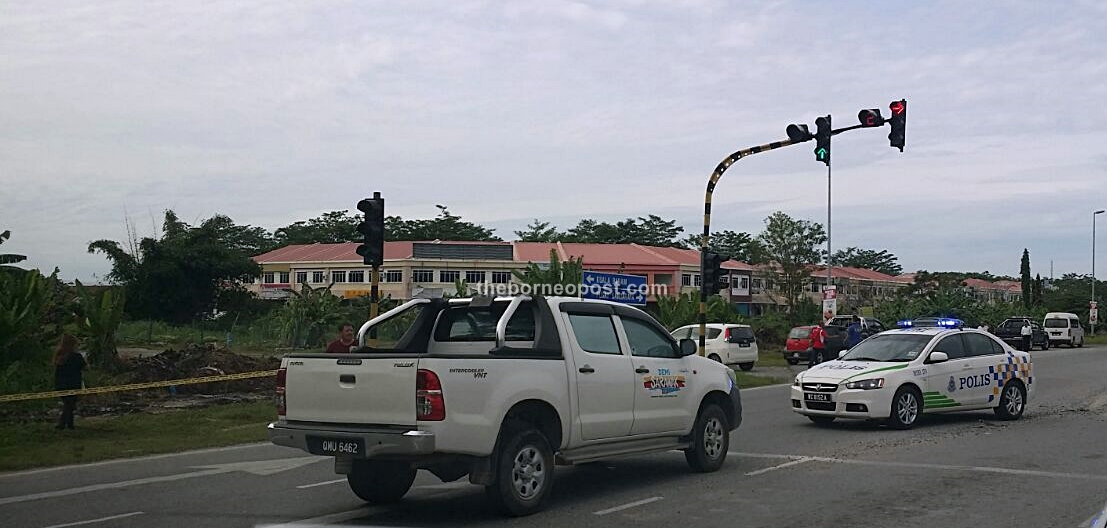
pixel 662 384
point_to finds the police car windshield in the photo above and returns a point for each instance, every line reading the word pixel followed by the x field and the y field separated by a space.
pixel 888 347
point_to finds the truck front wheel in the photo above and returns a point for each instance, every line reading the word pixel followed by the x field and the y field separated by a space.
pixel 710 440
pixel 524 472
pixel 380 481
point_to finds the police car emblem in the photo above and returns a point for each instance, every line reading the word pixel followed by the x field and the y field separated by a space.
pixel 952 385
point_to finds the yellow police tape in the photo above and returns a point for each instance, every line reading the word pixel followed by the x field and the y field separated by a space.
pixel 135 386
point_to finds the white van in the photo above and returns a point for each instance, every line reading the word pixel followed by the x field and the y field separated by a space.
pixel 1063 328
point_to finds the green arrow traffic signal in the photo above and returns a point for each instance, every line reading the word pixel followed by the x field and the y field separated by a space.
pixel 820 154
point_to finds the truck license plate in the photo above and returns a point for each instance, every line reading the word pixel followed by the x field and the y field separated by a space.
pixel 335 446
pixel 815 396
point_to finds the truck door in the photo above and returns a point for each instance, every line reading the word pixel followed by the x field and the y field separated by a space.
pixel 662 380
pixel 604 375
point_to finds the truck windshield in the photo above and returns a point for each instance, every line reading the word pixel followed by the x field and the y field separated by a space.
pixel 888 347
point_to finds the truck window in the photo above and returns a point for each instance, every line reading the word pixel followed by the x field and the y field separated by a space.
pixel 595 333
pixel 646 341
pixel 1057 323
pixel 466 323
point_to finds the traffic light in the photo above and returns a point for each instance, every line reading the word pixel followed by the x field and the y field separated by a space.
pixel 372 229
pixel 899 123
pixel 798 133
pixel 870 118
pixel 822 140
pixel 711 272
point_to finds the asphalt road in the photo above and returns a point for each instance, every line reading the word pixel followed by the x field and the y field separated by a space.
pixel 969 469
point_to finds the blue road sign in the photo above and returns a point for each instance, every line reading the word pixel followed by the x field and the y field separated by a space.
pixel 627 289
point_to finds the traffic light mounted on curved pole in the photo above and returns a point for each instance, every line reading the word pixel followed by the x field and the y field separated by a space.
pixel 711 272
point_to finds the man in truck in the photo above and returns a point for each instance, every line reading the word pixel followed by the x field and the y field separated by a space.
pixel 344 342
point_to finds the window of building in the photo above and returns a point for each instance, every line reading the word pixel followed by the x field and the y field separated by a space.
pixel 392 276
pixel 317 276
pixel 686 279
pixel 282 277
pixel 338 276
pixel 450 276
pixel 501 277
pixel 301 277
pixel 422 276
pixel 665 279
pixel 696 280
pixel 356 276
pixel 745 284
pixel 267 277
pixel 474 277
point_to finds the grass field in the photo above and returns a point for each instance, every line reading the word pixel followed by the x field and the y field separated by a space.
pixel 29 445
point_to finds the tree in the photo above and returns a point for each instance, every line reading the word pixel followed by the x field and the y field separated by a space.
pixel 1036 294
pixel 539 232
pixel 1024 271
pixel 307 317
pixel 445 226
pixel 6 259
pixel 25 301
pixel 738 246
pixel 98 314
pixel 651 230
pixel 180 276
pixel 557 275
pixel 791 248
pixel 881 261
pixel 329 228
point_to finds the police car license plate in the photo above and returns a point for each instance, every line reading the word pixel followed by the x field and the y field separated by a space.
pixel 816 396
pixel 335 446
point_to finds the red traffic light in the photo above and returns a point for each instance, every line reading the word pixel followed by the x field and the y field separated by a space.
pixel 898 107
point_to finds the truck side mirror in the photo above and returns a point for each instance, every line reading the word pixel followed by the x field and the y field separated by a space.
pixel 688 347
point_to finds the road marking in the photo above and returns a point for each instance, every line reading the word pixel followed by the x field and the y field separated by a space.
pixel 773 386
pixel 330 518
pixel 257 467
pixel 628 506
pixel 917 465
pixel 779 466
pixel 91 521
pixel 335 481
pixel 134 459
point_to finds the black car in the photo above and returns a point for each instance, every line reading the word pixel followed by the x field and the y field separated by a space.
pixel 1010 331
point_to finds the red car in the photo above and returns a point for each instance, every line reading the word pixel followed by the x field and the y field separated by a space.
pixel 798 345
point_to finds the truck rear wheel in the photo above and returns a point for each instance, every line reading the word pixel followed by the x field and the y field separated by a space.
pixel 710 440
pixel 380 481
pixel 524 472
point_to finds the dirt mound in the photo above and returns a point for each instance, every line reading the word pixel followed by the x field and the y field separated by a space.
pixel 197 361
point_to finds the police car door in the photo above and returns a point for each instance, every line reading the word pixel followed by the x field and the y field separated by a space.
pixel 946 381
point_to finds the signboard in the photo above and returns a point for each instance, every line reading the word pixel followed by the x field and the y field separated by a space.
pixel 1093 313
pixel 830 302
pixel 627 289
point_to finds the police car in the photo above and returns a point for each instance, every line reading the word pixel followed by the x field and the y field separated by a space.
pixel 925 366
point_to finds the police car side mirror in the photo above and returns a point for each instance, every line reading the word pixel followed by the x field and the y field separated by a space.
pixel 938 357
pixel 688 347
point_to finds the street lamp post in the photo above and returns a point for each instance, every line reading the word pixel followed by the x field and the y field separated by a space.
pixel 1093 263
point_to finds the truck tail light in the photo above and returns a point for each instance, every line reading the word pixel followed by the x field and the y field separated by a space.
pixel 282 375
pixel 429 404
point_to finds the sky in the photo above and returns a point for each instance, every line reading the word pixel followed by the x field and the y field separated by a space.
pixel 507 112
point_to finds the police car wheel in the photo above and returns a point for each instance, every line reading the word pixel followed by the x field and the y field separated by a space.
pixel 906 407
pixel 1012 403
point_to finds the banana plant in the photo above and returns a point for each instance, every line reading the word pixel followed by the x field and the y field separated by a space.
pixel 98 316
pixel 24 300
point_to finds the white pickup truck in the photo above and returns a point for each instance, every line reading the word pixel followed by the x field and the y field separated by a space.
pixel 502 390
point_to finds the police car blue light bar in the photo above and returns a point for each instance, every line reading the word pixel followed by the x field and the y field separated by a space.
pixel 941 322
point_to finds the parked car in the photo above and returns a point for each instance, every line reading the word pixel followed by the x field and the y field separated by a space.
pixel 1064 328
pixel 1010 331
pixel 836 334
pixel 798 345
pixel 727 343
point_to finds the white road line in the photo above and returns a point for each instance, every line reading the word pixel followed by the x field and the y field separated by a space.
pixel 135 459
pixel 917 465
pixel 335 481
pixel 628 506
pixel 109 485
pixel 91 521
pixel 328 519
pixel 779 466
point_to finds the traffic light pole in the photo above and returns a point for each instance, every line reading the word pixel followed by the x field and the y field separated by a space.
pixel 374 300
pixel 704 244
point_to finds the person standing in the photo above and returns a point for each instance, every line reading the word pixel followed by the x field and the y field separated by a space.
pixel 68 364
pixel 1027 335
pixel 853 334
pixel 344 342
pixel 818 346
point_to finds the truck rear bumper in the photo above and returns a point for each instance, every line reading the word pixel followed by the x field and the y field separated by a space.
pixel 371 442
